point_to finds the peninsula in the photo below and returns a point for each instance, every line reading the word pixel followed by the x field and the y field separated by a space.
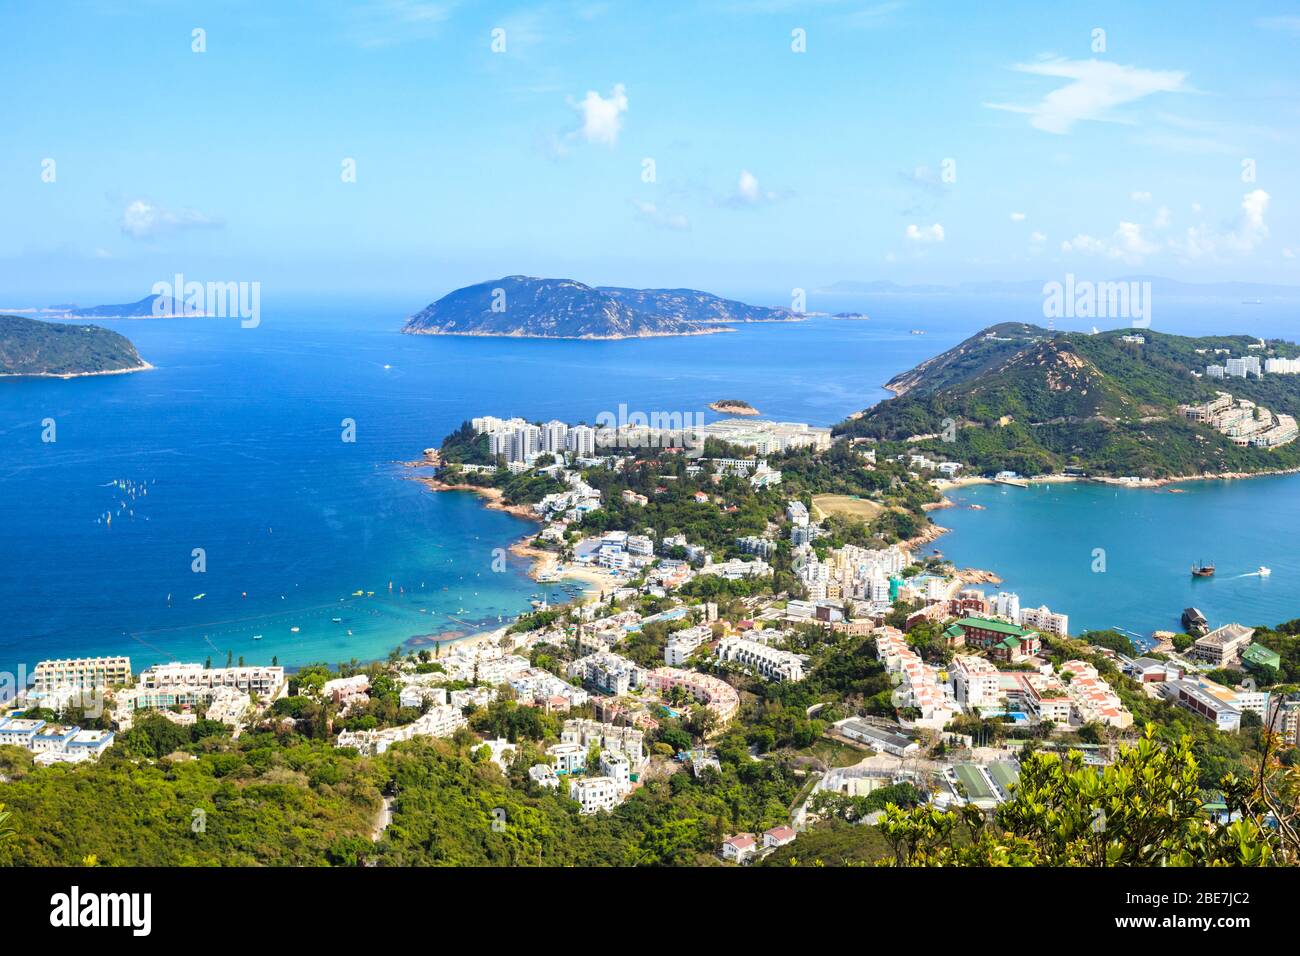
pixel 30 347
pixel 1136 405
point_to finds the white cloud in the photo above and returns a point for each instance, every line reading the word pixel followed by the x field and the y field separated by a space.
pixel 650 213
pixel 1140 196
pixel 917 233
pixel 1127 244
pixel 1203 241
pixel 1095 89
pixel 1162 218
pixel 143 219
pixel 1017 217
pixel 602 117
pixel 1037 237
pixel 749 192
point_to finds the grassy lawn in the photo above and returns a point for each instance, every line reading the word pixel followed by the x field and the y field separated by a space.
pixel 858 509
pixel 835 754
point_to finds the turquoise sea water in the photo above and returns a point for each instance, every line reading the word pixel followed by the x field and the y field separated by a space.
pixel 236 435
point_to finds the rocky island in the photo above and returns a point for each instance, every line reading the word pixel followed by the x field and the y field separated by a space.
pixel 733 406
pixel 527 307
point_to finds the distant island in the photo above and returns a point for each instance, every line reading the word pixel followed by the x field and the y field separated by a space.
pixel 733 406
pixel 526 307
pixel 1121 404
pixel 150 307
pixel 59 350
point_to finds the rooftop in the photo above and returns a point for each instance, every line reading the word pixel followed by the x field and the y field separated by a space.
pixel 999 627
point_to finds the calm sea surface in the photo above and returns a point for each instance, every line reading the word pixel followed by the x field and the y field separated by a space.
pixel 233 444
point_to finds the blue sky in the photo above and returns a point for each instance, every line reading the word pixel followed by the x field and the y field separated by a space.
pixel 912 141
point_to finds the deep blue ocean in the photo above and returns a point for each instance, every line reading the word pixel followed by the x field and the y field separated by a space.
pixel 237 437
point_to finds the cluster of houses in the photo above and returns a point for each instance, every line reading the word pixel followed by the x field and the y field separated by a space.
pixel 1073 695
pixel 1241 420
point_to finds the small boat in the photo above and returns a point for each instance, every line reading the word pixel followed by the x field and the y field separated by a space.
pixel 1264 572
pixel 336 620
pixel 358 593
pixel 200 596
pixel 1200 570
pixel 257 637
pixel 294 630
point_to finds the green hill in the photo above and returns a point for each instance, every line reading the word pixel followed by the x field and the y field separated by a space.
pixel 1021 397
pixel 562 308
pixel 31 347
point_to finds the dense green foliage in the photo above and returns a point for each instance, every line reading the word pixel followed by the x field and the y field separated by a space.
pixel 1021 398
pixel 32 347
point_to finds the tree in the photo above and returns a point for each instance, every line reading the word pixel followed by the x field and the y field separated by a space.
pixel 1143 810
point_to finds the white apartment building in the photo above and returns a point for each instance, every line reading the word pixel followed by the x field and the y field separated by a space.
pixel 81 673
pixel 682 644
pixel 435 722
pixel 628 741
pixel 554 434
pixel 1241 367
pixel 615 765
pixel 581 440
pixel 1042 619
pixel 595 794
pixel 770 662
pixel 263 681
pixel 1282 366
pixel 1006 604
pixel 569 758
pixel 975 682
pixel 607 672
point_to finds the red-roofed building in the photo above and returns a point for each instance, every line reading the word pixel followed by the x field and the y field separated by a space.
pixel 778 836
pixel 740 848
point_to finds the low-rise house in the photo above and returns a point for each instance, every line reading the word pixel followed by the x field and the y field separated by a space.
pixel 740 848
pixel 347 690
pixel 544 775
pixel 887 740
pixel 778 837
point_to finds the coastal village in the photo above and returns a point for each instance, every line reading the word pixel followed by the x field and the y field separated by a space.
pixel 675 645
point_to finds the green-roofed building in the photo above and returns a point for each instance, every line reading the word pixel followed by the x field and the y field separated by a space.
pixel 954 635
pixel 1259 657
pixel 1003 640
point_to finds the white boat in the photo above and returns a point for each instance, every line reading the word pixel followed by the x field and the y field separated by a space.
pixel 1264 572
